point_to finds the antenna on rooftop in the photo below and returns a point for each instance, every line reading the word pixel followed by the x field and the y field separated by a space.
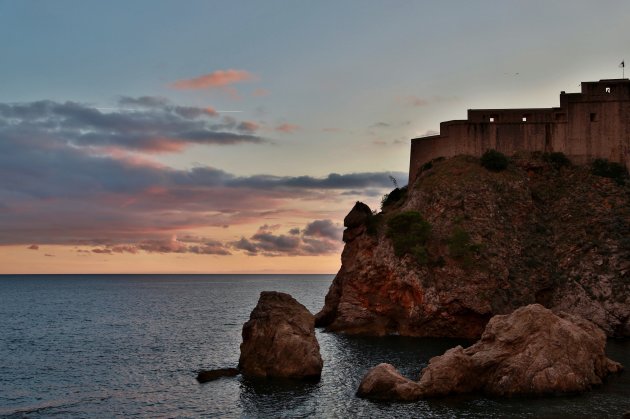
pixel 623 69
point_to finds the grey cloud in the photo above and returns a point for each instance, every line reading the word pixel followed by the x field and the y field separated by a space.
pixel 157 127
pixel 246 245
pixel 207 247
pixel 144 101
pixel 319 237
pixel 323 228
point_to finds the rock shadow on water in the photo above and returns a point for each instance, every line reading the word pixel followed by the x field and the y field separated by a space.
pixel 261 397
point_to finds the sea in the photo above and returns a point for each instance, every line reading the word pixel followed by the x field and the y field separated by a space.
pixel 104 346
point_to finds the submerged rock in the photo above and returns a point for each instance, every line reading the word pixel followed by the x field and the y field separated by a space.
pixel 529 352
pixel 279 340
pixel 210 375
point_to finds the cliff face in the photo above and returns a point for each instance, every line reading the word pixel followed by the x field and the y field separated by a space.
pixel 537 232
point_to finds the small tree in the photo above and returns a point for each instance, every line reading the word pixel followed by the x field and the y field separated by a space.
pixel 557 158
pixel 612 170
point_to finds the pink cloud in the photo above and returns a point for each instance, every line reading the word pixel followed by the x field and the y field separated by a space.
pixel 287 128
pixel 260 92
pixel 418 102
pixel 248 126
pixel 219 78
pixel 210 111
pixel 415 101
pixel 165 145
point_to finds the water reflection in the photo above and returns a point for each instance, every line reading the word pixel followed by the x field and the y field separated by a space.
pixel 268 398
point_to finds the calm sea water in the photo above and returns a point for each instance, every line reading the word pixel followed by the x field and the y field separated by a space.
pixel 130 345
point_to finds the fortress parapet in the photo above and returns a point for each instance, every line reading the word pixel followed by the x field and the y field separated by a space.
pixel 588 125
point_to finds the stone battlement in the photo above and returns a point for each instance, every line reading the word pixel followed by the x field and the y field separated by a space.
pixel 594 123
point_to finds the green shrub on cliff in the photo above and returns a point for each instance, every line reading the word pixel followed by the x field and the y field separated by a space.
pixel 494 161
pixel 409 233
pixel 398 194
pixel 373 223
pixel 609 169
pixel 459 242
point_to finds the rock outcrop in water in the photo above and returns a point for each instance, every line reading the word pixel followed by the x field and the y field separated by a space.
pixel 210 375
pixel 529 352
pixel 463 244
pixel 279 340
pixel 384 382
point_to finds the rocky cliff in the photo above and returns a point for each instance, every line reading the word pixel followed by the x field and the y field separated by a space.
pixel 464 243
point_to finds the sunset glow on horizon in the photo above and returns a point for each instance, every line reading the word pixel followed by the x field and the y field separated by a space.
pixel 234 137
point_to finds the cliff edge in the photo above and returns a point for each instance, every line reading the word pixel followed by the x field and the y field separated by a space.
pixel 464 243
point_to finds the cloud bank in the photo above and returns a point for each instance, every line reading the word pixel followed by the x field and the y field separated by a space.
pixel 72 174
pixel 155 127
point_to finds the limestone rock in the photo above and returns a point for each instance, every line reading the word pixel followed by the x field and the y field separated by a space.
pixel 531 351
pixel 279 340
pixel 384 382
pixel 357 216
pixel 534 233
pixel 210 375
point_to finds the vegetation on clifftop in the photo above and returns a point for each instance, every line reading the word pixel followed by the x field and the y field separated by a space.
pixel 612 170
pixel 494 161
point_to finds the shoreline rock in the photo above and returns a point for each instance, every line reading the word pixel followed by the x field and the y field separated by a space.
pixel 529 352
pixel 279 340
pixel 385 383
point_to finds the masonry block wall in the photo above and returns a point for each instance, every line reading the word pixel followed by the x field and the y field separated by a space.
pixel 588 125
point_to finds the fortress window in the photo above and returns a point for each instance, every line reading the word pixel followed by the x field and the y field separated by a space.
pixel 607 90
pixel 593 117
pixel 524 119
pixel 492 119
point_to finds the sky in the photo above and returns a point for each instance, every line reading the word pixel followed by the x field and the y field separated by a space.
pixel 233 137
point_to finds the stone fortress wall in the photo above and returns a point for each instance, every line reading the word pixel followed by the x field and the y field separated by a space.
pixel 588 125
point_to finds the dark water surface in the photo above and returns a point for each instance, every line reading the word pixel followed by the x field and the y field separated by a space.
pixel 130 345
